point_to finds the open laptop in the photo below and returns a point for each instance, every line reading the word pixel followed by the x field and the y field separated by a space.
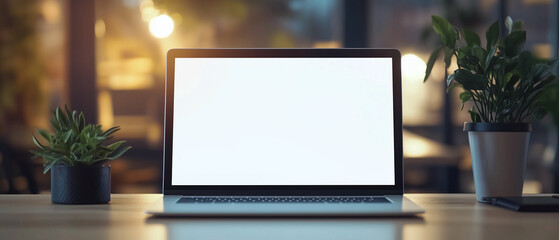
pixel 283 132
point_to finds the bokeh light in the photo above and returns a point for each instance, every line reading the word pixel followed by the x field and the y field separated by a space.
pixel 161 26
pixel 413 67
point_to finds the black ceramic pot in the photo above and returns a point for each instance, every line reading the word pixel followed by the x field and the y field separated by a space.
pixel 80 184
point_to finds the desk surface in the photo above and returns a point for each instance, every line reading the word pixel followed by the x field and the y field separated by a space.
pixel 448 216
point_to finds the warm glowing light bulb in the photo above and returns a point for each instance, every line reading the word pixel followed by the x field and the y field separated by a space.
pixel 161 26
pixel 416 99
pixel 413 67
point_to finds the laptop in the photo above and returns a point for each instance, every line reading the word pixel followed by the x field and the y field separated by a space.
pixel 283 132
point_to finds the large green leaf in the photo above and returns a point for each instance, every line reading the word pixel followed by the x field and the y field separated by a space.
pixel 111 131
pixel 87 159
pixel 445 30
pixel 119 153
pixel 468 80
pixel 470 63
pixel 430 63
pixel 74 121
pixel 59 117
pixel 115 145
pixel 55 124
pixel 479 53
pixel 490 60
pixel 82 121
pixel 472 39
pixel 514 43
pixel 448 53
pixel 525 63
pixel 45 135
pixel 37 142
pixel 463 52
pixel 472 58
pixel 492 35
pixel 66 136
pixel 465 97
pixel 48 166
pixel 67 117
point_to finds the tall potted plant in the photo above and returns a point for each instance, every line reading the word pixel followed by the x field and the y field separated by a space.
pixel 77 156
pixel 505 86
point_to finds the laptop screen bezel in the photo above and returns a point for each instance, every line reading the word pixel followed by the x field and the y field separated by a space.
pixel 396 189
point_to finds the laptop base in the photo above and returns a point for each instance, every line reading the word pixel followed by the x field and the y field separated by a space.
pixel 168 206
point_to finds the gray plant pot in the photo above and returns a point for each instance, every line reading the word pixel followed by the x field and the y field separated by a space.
pixel 80 184
pixel 499 153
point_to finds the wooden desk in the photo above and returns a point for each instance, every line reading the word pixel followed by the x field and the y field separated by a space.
pixel 448 216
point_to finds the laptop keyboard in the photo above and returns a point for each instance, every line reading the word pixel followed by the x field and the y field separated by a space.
pixel 263 199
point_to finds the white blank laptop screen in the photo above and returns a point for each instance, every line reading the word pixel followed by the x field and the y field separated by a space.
pixel 283 121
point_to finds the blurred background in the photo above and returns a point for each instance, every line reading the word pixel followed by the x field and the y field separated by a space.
pixel 107 58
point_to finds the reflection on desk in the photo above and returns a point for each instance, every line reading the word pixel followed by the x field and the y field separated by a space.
pixel 448 216
pixel 280 228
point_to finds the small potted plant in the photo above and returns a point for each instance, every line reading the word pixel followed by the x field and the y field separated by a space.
pixel 506 85
pixel 77 156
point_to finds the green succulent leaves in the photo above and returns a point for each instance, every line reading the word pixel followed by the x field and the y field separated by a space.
pixel 504 83
pixel 75 142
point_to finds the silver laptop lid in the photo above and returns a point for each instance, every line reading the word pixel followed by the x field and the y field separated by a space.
pixel 283 122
